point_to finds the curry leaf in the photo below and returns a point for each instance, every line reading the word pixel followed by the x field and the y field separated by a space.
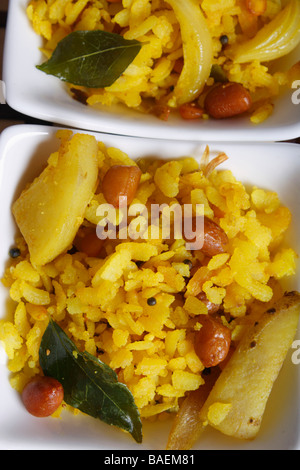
pixel 89 384
pixel 94 59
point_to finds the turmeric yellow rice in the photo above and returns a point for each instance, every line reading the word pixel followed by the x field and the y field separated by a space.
pixel 102 301
pixel 170 57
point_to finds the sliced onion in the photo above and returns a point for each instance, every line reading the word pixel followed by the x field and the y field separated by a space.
pixel 275 39
pixel 197 50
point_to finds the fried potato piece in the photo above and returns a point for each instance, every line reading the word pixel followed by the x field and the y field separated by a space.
pixel 238 399
pixel 50 211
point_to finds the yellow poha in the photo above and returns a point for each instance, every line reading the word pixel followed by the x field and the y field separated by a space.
pixel 149 82
pixel 102 302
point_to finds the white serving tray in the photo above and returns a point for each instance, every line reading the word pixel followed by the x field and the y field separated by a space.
pixel 42 96
pixel 23 153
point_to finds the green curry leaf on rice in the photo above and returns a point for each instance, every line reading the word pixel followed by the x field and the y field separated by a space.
pixel 89 384
pixel 93 59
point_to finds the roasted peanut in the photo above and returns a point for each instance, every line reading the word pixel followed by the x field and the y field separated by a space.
pixel 227 100
pixel 214 237
pixel 90 244
pixel 120 184
pixel 256 7
pixel 212 341
pixel 42 396
pixel 190 111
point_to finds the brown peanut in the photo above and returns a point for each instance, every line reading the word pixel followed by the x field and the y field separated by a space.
pixel 90 244
pixel 190 111
pixel 120 184
pixel 256 7
pixel 212 341
pixel 227 100
pixel 214 239
pixel 42 396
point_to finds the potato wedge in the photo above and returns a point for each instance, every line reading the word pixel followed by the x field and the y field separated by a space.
pixel 50 211
pixel 237 402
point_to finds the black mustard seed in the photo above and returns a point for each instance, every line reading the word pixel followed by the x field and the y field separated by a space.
pixel 151 301
pixel 14 252
pixel 224 40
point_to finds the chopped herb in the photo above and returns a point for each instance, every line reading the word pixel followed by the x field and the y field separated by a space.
pixel 218 74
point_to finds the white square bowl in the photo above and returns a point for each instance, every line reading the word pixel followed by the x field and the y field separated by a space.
pixel 45 97
pixel 23 153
